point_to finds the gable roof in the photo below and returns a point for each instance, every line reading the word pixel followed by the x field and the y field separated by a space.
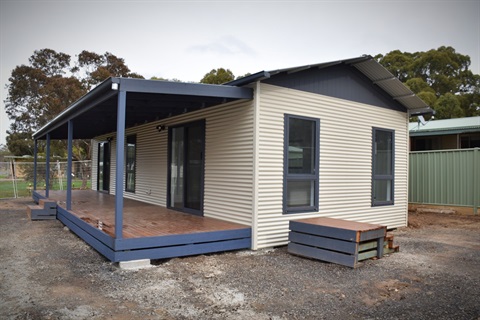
pixel 366 65
pixel 445 126
pixel 148 100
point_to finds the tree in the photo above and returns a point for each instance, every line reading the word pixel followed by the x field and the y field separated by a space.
pixel 434 74
pixel 245 75
pixel 37 92
pixel 81 150
pixel 94 68
pixel 218 76
pixel 165 79
pixel 448 106
pixel 3 152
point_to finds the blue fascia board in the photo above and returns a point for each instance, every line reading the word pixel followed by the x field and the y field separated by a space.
pixel 101 236
pixel 181 239
pixel 88 238
pixel 183 88
pixel 249 79
pixel 182 250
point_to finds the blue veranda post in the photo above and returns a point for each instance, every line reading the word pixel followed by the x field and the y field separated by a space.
pixel 121 109
pixel 69 165
pixel 47 168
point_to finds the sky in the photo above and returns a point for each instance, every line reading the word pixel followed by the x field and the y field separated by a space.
pixel 186 39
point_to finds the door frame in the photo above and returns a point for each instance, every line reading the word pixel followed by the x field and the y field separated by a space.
pixel 202 124
pixel 107 150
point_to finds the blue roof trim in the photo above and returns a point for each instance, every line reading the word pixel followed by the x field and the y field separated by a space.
pixel 249 79
pixel 183 88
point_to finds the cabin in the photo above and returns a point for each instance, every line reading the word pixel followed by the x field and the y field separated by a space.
pixel 186 168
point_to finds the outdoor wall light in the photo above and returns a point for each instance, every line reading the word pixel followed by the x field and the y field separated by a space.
pixel 160 127
pixel 109 139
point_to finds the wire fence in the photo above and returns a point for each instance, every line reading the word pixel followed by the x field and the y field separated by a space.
pixel 16 177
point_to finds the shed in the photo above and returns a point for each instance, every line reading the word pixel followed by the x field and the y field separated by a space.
pixel 240 160
pixel 458 133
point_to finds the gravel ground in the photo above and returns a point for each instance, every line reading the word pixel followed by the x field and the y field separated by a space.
pixel 47 272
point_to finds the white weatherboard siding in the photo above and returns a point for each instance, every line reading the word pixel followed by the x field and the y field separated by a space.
pixel 228 161
pixel 345 161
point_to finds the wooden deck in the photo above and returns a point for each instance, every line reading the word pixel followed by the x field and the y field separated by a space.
pixel 149 231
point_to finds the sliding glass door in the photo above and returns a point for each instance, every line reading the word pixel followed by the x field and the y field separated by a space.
pixel 186 167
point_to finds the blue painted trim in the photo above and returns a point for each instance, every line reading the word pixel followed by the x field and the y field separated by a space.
pixel 321 254
pixel 287 177
pixel 35 163
pixel 120 163
pixel 69 165
pixel 181 88
pixel 88 238
pixel 155 247
pixel 376 177
pixel 331 232
pixel 101 236
pixel 47 167
pixel 373 234
pixel 36 196
pixel 182 239
pixel 259 76
pixel 181 251
pixel 323 242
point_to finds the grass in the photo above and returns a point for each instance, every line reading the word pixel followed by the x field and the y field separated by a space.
pixel 24 187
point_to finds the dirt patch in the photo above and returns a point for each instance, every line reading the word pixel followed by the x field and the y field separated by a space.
pixel 49 273
pixel 443 220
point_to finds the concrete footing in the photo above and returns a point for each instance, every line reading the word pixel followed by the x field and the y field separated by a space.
pixel 134 264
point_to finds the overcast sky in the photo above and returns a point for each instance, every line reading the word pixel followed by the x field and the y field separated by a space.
pixel 186 39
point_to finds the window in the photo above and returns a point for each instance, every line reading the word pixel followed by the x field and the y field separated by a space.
pixel 130 163
pixel 301 157
pixel 383 155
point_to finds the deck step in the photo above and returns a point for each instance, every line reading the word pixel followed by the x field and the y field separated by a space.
pixel 45 210
pixel 337 241
pixel 48 204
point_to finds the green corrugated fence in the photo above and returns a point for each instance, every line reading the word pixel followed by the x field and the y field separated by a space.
pixel 445 177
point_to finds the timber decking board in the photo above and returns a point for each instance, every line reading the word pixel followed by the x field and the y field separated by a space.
pixel 342 229
pixel 139 219
pixel 342 224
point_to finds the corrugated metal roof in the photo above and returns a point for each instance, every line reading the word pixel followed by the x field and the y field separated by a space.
pixel 445 126
pixel 367 65
pixel 391 84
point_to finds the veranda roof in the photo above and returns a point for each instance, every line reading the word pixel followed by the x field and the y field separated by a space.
pixel 146 100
